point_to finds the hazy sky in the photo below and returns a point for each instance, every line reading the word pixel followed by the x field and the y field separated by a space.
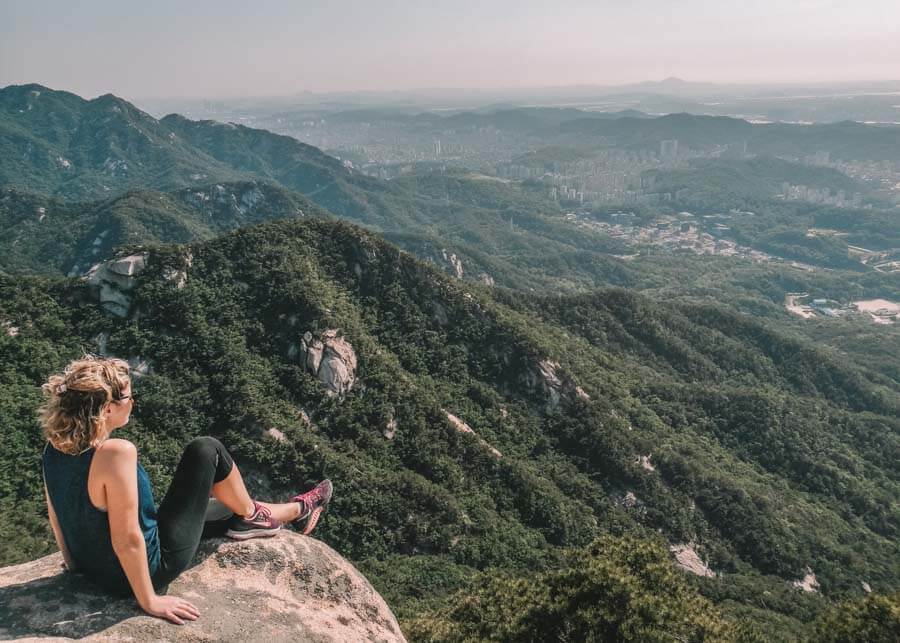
pixel 162 48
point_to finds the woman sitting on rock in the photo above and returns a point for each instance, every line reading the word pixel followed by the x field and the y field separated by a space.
pixel 101 505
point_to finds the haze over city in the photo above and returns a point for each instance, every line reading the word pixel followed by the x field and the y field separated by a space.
pixel 229 49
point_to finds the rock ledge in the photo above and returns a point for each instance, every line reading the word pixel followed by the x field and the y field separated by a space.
pixel 286 588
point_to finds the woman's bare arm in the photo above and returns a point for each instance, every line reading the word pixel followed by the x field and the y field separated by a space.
pixel 57 533
pixel 118 471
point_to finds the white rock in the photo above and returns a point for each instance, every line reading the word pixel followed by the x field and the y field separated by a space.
pixel 808 583
pixel 331 359
pixel 458 424
pixel 455 262
pixel 176 277
pixel 462 427
pixel 139 367
pixel 644 461
pixel 390 430
pixel 11 331
pixel 687 558
pixel 544 378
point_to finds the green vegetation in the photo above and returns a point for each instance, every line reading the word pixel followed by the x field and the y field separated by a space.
pixel 613 590
pixel 606 423
pixel 768 453
pixel 874 619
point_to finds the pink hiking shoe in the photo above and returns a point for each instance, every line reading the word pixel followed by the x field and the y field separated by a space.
pixel 259 525
pixel 312 504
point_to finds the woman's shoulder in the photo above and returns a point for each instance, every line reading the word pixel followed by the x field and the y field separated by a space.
pixel 116 449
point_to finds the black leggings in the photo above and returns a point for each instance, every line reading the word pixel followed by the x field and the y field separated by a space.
pixel 181 516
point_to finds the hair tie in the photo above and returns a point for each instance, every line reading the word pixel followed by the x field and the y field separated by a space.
pixel 62 388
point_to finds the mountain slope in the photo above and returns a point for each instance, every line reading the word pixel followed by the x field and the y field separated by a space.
pixel 483 431
pixel 41 235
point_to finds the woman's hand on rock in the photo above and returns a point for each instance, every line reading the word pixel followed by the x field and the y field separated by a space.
pixel 172 608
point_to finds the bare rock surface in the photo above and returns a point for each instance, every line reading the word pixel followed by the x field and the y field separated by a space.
pixel 331 359
pixel 287 588
pixel 9 329
pixel 462 427
pixel 809 582
pixel 687 558
pixel 547 379
pixel 455 262
pixel 115 279
pixel 178 276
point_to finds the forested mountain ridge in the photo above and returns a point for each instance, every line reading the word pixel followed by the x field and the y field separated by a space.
pixel 470 225
pixel 43 235
pixel 56 143
pixel 483 431
pixel 43 151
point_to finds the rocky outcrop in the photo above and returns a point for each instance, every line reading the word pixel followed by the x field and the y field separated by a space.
pixel 543 378
pixel 330 358
pixel 808 583
pixel 390 429
pixel 9 329
pixel 115 279
pixel 462 427
pixel 139 367
pixel 547 380
pixel 178 275
pixel 455 263
pixel 486 279
pixel 287 588
pixel 687 558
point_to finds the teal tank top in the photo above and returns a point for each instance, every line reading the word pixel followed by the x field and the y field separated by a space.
pixel 85 528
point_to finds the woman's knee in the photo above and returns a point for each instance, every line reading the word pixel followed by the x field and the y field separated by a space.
pixel 204 446
pixel 208 449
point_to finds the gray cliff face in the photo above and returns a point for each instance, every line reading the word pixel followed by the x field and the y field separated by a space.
pixel 547 380
pixel 286 588
pixel 330 358
pixel 115 279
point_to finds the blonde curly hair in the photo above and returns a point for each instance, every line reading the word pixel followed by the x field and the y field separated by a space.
pixel 73 415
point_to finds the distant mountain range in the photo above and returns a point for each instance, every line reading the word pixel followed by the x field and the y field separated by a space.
pixel 57 144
